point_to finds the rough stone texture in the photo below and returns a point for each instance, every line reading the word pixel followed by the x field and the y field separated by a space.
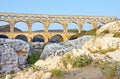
pixel 85 73
pixel 78 52
pixel 36 75
pixel 114 55
pixel 13 54
pixel 60 49
pixel 50 63
pixel 47 75
pixel 102 43
pixel 111 27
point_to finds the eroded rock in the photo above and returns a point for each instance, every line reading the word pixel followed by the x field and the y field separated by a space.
pixel 60 49
pixel 13 54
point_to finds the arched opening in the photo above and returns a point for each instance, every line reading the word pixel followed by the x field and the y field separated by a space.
pixel 55 27
pixel 3 36
pixel 87 26
pixel 37 27
pixel 22 37
pixel 73 37
pixel 101 24
pixel 72 27
pixel 38 38
pixel 4 26
pixel 56 39
pixel 21 27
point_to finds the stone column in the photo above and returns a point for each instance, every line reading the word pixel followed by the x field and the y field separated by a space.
pixel 46 26
pixel 65 27
pixel 12 26
pixel 29 40
pixel 94 25
pixel 46 40
pixel 80 27
pixel 29 24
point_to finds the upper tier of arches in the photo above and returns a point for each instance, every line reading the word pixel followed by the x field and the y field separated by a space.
pixel 33 22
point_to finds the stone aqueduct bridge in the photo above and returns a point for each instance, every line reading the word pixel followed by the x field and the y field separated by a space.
pixel 46 20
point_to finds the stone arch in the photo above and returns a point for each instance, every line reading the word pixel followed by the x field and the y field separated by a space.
pixel 37 26
pixel 101 24
pixel 38 38
pixel 21 26
pixel 22 37
pixel 3 36
pixel 87 26
pixel 72 27
pixel 4 25
pixel 56 39
pixel 55 27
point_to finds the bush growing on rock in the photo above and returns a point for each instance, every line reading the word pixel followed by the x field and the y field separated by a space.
pixel 82 33
pixel 79 61
pixel 117 34
pixel 56 73
pixel 33 57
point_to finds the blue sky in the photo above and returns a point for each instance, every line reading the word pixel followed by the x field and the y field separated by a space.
pixel 63 7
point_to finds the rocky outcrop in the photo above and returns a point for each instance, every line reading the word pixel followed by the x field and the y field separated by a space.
pixel 13 54
pixel 85 73
pixel 60 49
pixel 102 44
pixel 110 27
pixel 115 55
pixel 50 63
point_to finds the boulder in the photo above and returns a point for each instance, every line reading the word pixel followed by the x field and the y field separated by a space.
pixel 59 49
pixel 114 55
pixel 102 44
pixel 47 75
pixel 78 52
pixel 13 54
pixel 110 27
pixel 50 63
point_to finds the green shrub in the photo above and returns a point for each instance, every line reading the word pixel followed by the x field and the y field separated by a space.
pixel 0 67
pixel 92 32
pixel 57 73
pixel 78 35
pixel 105 31
pixel 81 61
pixel 66 60
pixel 83 32
pixel 33 57
pixel 117 34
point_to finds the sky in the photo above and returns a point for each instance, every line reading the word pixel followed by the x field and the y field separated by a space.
pixel 62 7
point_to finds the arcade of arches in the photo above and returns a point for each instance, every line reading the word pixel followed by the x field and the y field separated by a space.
pixel 43 27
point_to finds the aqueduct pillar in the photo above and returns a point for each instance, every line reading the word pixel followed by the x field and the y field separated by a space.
pixel 29 24
pixel 46 26
pixel 65 27
pixel 12 23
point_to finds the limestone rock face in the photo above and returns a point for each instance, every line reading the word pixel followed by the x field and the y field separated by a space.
pixel 50 63
pixel 114 55
pixel 111 27
pixel 47 75
pixel 99 44
pixel 86 73
pixel 13 54
pixel 60 49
